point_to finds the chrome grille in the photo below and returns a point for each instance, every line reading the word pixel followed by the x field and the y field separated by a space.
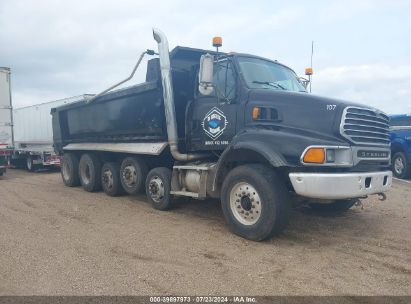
pixel 365 126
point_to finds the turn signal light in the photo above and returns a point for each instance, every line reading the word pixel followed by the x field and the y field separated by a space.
pixel 314 155
pixel 256 113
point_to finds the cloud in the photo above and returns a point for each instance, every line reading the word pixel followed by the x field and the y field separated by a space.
pixel 58 49
pixel 383 86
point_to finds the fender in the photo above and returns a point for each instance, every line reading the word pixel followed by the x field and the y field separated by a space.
pixel 264 149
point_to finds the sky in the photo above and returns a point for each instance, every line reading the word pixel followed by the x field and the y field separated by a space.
pixel 57 49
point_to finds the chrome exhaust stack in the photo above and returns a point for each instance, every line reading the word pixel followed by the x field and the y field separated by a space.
pixel 168 96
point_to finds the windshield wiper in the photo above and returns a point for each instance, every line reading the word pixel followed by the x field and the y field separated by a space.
pixel 273 84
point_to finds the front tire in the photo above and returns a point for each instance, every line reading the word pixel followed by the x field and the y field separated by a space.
pixel 90 172
pixel 255 202
pixel 401 168
pixel 158 187
pixel 69 170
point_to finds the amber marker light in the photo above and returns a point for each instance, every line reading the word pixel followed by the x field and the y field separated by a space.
pixel 314 155
pixel 308 71
pixel 217 41
pixel 256 113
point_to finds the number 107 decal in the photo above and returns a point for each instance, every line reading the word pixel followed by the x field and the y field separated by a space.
pixel 331 107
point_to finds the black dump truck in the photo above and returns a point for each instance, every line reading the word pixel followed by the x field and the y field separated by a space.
pixel 232 126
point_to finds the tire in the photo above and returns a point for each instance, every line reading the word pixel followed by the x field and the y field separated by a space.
pixel 401 168
pixel 69 170
pixel 158 187
pixel 133 172
pixel 90 172
pixel 255 202
pixel 110 179
pixel 337 206
pixel 30 166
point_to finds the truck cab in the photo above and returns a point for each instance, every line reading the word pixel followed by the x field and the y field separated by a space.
pixel 259 111
pixel 400 135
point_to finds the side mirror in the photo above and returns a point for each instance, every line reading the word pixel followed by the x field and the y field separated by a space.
pixel 205 75
pixel 305 82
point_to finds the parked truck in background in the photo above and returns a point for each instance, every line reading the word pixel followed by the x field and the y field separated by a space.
pixel 33 135
pixel 237 127
pixel 6 119
pixel 400 127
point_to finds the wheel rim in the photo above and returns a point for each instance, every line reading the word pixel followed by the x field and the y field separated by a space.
pixel 399 165
pixel 130 176
pixel 65 169
pixel 108 179
pixel 85 174
pixel 156 189
pixel 245 203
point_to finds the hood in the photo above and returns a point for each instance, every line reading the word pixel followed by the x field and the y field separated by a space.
pixel 307 112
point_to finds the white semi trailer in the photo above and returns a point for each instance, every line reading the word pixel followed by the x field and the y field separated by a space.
pixel 33 135
pixel 6 119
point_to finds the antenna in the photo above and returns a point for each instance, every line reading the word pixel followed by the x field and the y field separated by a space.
pixel 309 71
pixel 312 53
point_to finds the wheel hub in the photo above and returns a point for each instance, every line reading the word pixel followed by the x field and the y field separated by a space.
pixel 245 203
pixel 156 189
pixel 108 178
pixel 130 175
pixel 398 165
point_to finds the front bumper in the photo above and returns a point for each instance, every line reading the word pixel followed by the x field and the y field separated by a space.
pixel 340 185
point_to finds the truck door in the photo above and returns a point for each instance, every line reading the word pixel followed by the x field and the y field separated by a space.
pixel 213 118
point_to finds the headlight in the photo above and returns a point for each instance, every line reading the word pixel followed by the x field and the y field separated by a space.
pixel 327 156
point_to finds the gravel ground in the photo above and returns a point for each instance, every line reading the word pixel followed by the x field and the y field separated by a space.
pixel 64 241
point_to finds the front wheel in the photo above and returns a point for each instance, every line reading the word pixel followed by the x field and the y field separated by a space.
pixel 400 167
pixel 255 202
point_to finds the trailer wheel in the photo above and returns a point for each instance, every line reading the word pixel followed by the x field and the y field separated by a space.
pixel 133 172
pixel 158 187
pixel 30 166
pixel 337 206
pixel 255 202
pixel 90 172
pixel 69 170
pixel 110 179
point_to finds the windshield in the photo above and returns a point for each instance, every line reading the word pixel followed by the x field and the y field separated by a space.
pixel 263 74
